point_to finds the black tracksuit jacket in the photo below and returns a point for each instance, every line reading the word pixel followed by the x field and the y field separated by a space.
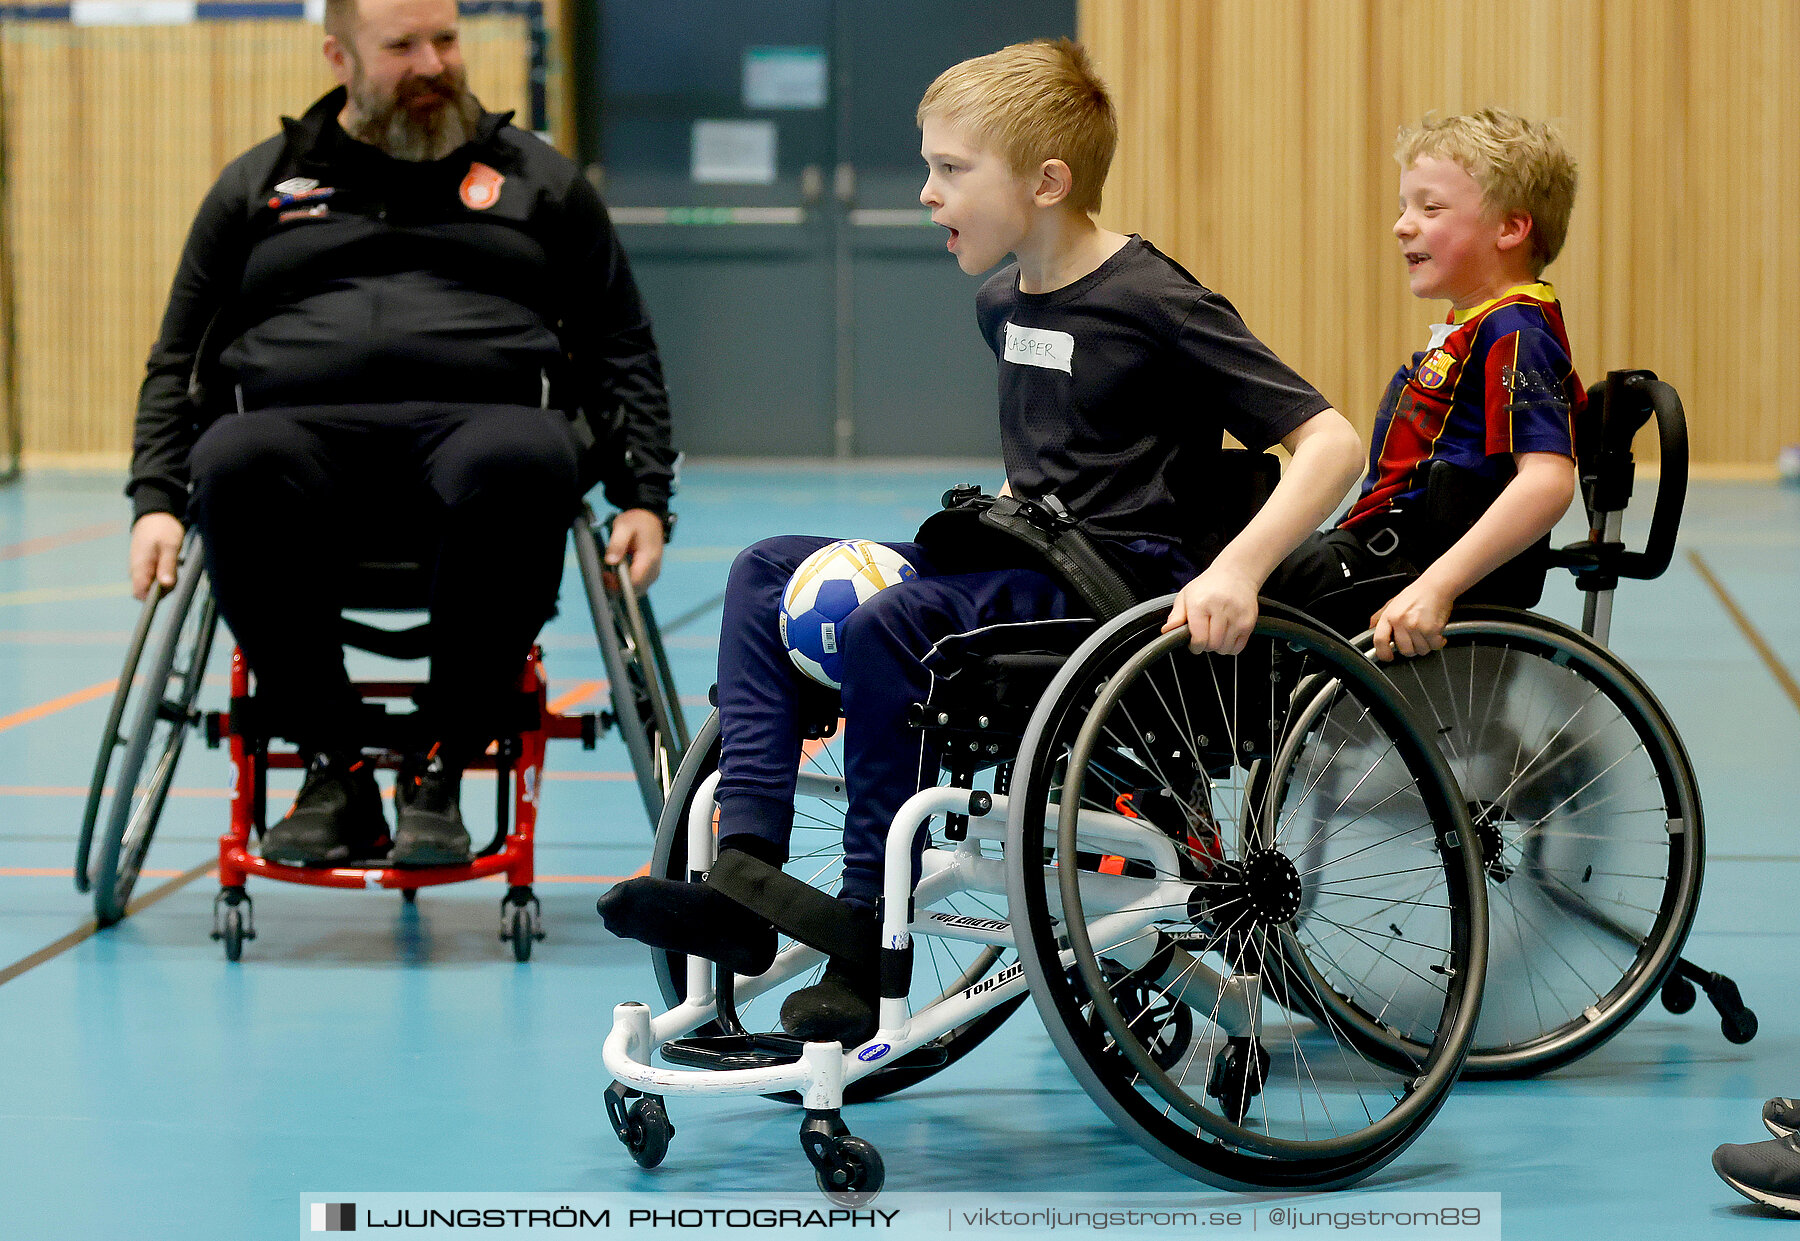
pixel 320 271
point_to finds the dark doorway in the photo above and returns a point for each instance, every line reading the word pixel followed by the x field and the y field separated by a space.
pixel 761 161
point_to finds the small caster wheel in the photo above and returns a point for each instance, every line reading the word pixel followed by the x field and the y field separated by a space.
pixel 1678 994
pixel 521 921
pixel 520 933
pixel 232 922
pixel 1735 1018
pixel 1161 1024
pixel 232 932
pixel 1239 1071
pixel 409 896
pixel 852 1173
pixel 650 1130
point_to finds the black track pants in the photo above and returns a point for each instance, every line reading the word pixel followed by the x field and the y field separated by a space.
pixel 288 499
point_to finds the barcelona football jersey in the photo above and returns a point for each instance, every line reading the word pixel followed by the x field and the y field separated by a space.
pixel 1493 381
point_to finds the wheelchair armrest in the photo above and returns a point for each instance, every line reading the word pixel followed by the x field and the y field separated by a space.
pixel 1618 407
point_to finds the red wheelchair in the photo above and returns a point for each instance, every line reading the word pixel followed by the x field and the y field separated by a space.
pixel 156 706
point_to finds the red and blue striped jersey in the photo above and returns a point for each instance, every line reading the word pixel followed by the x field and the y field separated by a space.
pixel 1494 380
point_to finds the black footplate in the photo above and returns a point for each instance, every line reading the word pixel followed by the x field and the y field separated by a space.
pixel 734 1051
pixel 761 1051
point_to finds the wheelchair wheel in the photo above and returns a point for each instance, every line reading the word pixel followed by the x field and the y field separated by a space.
pixel 110 737
pixel 1589 817
pixel 157 691
pixel 1173 815
pixel 940 966
pixel 645 705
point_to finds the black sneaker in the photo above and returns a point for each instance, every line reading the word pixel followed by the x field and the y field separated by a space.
pixel 335 819
pixel 1765 1172
pixel 1781 1116
pixel 428 826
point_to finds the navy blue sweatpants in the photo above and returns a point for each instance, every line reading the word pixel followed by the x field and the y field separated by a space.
pixel 883 642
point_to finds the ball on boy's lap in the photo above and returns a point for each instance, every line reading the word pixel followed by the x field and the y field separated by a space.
pixel 825 589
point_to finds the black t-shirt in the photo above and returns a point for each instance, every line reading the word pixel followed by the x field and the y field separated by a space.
pixel 1115 392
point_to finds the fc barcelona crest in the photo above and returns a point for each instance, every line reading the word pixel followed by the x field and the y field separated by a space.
pixel 1435 368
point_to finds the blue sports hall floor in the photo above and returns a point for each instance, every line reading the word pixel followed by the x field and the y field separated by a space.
pixel 150 1089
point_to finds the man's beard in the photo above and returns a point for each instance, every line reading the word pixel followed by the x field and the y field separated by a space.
pixel 424 119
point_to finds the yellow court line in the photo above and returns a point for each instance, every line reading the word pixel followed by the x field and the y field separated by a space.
pixel 1770 659
pixel 57 704
pixel 86 930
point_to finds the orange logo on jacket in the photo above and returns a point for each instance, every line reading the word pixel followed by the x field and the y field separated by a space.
pixel 481 188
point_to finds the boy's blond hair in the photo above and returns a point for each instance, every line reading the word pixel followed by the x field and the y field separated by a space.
pixel 1520 165
pixel 1032 102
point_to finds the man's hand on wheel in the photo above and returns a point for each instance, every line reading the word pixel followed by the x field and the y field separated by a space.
pixel 637 533
pixel 155 546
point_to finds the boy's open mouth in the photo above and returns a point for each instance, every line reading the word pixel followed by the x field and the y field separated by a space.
pixel 1414 259
pixel 951 243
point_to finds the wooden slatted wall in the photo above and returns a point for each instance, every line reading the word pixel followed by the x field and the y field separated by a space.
pixel 115 135
pixel 1256 147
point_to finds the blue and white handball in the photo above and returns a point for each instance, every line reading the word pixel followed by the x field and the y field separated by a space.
pixel 824 590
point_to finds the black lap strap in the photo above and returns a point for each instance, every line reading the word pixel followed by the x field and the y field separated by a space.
pixel 976 532
pixel 795 908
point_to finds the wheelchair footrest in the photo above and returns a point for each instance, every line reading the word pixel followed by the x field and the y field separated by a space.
pixel 734 1051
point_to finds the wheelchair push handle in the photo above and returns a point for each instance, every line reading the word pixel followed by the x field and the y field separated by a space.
pixel 1618 407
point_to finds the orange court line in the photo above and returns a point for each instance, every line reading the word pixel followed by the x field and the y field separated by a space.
pixel 578 878
pixel 63 872
pixel 586 689
pixel 50 542
pixel 70 790
pixel 560 775
pixel 58 704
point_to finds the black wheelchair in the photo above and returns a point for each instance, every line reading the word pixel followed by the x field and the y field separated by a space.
pixel 1577 782
pixel 1251 896
pixel 156 706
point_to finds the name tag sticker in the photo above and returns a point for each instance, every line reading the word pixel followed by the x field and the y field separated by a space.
pixel 1036 346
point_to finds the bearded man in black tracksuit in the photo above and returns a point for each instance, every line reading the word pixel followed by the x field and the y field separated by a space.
pixel 364 335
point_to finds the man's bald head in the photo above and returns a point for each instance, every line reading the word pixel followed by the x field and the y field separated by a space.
pixel 340 18
pixel 401 62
